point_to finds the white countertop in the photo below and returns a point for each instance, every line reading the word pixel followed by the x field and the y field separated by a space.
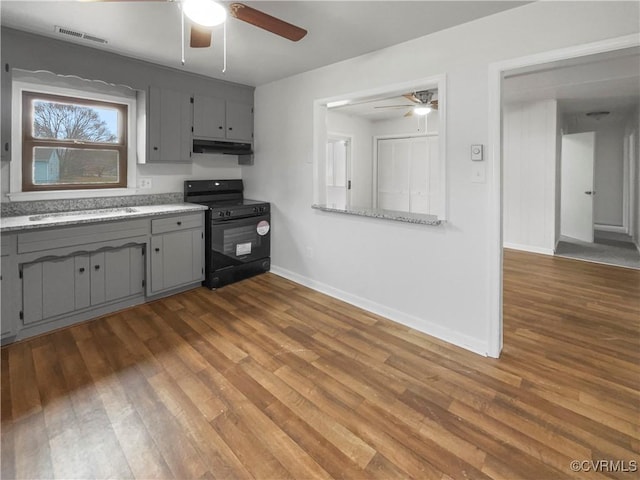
pixel 56 219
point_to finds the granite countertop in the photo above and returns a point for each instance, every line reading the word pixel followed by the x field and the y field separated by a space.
pixel 76 217
pixel 407 217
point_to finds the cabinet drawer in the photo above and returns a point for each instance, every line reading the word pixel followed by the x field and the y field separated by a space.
pixel 76 236
pixel 177 222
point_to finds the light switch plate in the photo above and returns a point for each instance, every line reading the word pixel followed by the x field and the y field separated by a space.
pixel 476 153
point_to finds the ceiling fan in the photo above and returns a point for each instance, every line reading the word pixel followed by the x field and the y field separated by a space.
pixel 423 103
pixel 205 14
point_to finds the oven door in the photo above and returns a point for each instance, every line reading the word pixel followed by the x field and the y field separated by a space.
pixel 239 241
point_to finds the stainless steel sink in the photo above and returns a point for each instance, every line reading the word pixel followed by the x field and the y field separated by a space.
pixel 104 212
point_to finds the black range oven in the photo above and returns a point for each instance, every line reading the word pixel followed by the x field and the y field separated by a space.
pixel 237 230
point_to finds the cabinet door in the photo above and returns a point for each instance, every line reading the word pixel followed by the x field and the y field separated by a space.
pixel 123 272
pixel 157 263
pixel 10 301
pixel 170 120
pixel 98 278
pixel 82 264
pixel 239 121
pixel 5 113
pixel 176 259
pixel 48 289
pixel 208 117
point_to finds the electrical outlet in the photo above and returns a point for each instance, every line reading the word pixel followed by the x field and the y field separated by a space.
pixel 144 182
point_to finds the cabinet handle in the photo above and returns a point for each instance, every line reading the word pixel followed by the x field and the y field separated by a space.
pixel 97 267
pixel 220 127
pixel 179 223
pixel 157 249
pixel 155 148
pixel 81 270
pixel 230 128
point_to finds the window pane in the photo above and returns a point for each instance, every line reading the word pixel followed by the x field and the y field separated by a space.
pixel 68 166
pixel 69 121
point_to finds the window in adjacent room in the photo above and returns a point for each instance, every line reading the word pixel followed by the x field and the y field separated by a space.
pixel 72 143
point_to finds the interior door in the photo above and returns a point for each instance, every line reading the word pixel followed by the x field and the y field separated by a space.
pixel 405 173
pixel 576 199
pixel 338 171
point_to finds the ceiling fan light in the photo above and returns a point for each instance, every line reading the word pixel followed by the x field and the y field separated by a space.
pixel 204 12
pixel 421 110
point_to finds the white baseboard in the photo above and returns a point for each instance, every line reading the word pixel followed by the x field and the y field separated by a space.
pixel 451 336
pixel 529 248
pixel 610 228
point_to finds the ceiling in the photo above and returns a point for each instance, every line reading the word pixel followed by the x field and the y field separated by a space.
pixel 607 81
pixel 338 30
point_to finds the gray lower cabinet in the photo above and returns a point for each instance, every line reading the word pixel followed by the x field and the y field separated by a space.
pixel 177 252
pixel 10 299
pixel 59 286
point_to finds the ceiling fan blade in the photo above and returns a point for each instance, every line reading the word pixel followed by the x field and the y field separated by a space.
pixel 412 97
pixel 266 22
pixel 434 104
pixel 394 106
pixel 200 37
pixel 409 113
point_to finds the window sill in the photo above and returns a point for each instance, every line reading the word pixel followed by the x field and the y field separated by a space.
pixel 66 194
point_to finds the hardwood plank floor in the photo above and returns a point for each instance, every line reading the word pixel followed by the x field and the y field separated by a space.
pixel 267 379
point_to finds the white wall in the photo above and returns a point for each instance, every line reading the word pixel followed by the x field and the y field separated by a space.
pixel 432 278
pixel 529 175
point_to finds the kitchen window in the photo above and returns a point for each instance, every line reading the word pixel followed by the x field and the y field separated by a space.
pixel 73 143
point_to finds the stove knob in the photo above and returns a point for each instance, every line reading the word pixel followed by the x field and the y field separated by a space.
pixel 228 213
pixel 255 209
pixel 221 214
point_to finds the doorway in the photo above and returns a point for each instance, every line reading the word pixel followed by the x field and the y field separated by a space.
pixel 497 74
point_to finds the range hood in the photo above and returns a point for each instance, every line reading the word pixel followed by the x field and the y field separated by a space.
pixel 221 146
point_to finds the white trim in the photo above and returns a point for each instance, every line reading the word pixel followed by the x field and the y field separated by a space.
pixel 610 228
pixel 529 248
pixel 419 324
pixel 496 71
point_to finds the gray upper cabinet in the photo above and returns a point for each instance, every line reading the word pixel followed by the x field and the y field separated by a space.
pixel 5 114
pixel 170 118
pixel 220 119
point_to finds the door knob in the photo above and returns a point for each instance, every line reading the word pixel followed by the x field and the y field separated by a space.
pixel 589 192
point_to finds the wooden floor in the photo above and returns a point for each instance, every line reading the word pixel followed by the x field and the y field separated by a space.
pixel 267 379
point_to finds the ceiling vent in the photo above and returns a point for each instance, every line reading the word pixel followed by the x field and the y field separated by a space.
pixel 84 36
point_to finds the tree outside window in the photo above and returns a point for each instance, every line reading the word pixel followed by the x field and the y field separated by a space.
pixel 71 143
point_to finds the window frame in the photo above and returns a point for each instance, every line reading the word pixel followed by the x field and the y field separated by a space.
pixel 29 142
